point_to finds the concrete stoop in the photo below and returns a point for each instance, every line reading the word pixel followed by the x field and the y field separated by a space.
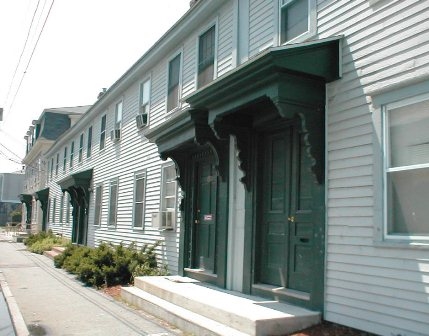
pixel 56 250
pixel 195 308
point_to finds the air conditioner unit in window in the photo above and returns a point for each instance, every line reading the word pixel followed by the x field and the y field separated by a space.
pixel 115 134
pixel 164 220
pixel 141 120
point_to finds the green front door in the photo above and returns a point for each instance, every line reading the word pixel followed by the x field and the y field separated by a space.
pixel 286 233
pixel 206 186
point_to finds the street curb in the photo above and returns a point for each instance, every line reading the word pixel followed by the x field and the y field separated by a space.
pixel 17 320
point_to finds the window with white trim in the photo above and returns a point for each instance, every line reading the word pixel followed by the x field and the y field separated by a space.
pixel 97 204
pixel 62 209
pixel 103 132
pixel 52 167
pixel 297 19
pixel 169 187
pixel 65 159
pixel 406 168
pixel 206 57
pixel 89 143
pixel 71 154
pixel 113 201
pixel 144 97
pixel 118 114
pixel 173 94
pixel 68 208
pixel 57 164
pixel 139 200
pixel 54 210
pixel 80 148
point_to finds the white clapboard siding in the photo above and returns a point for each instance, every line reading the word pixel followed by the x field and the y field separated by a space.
pixel 261 25
pixel 369 285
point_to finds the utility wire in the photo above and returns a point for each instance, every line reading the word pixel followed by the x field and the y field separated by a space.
pixel 22 52
pixel 10 151
pixel 31 57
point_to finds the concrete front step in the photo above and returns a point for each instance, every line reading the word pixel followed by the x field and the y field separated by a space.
pixel 186 300
pixel 56 250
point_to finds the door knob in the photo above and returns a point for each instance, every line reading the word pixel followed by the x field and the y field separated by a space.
pixel 291 219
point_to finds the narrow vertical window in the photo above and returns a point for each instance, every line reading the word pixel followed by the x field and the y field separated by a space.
pixel 89 142
pixel 144 96
pixel 103 132
pixel 139 199
pixel 169 188
pixel 71 154
pixel 54 210
pixel 118 115
pixel 49 170
pixel 80 148
pixel 206 57
pixel 173 83
pixel 65 159
pixel 97 204
pixel 48 210
pixel 57 164
pixel 113 202
pixel 294 19
pixel 62 209
pixel 68 209
pixel 52 168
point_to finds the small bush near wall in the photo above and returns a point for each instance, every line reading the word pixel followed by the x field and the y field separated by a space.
pixel 44 241
pixel 109 265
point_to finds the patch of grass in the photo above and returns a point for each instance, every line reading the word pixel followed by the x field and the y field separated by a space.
pixel 109 265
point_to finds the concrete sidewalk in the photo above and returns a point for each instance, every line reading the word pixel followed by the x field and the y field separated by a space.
pixel 49 301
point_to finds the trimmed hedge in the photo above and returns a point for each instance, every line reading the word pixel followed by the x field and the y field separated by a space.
pixel 109 265
pixel 44 241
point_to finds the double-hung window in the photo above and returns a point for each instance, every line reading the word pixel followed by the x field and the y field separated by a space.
pixel 118 115
pixel 206 57
pixel 71 154
pixel 297 17
pixel 173 94
pixel 89 143
pixel 57 164
pixel 145 97
pixel 65 159
pixel 52 168
pixel 97 204
pixel 62 209
pixel 103 132
pixel 54 210
pixel 139 200
pixel 113 201
pixel 406 169
pixel 80 148
pixel 68 208
pixel 169 188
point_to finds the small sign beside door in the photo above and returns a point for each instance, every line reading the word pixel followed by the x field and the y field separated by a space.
pixel 208 217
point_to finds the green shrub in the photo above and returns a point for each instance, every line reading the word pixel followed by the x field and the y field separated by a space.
pixel 44 241
pixel 109 265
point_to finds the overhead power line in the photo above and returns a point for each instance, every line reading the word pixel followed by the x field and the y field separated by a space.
pixel 31 57
pixel 22 52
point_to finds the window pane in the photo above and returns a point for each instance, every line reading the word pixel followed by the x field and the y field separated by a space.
pixel 206 57
pixel 144 93
pixel 170 188
pixel 97 210
pixel 173 83
pixel 409 135
pixel 140 189
pixel 408 192
pixel 113 203
pixel 138 215
pixel 294 18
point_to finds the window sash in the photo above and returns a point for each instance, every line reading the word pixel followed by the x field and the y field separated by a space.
pixel 80 148
pixel 97 205
pixel 54 209
pixel 103 132
pixel 406 169
pixel 62 209
pixel 173 82
pixel 118 114
pixel 145 96
pixel 294 19
pixel 113 202
pixel 68 209
pixel 71 154
pixel 89 142
pixel 57 164
pixel 169 188
pixel 65 159
pixel 206 57
pixel 139 200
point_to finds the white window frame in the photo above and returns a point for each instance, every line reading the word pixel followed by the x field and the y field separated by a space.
pixel 119 114
pixel 113 202
pixel 68 208
pixel 103 131
pixel 71 155
pixel 62 200
pixel 89 142
pixel 312 22
pixel 164 181
pixel 139 176
pixel 81 145
pixel 386 158
pixel 215 61
pixel 144 102
pixel 179 93
pixel 98 207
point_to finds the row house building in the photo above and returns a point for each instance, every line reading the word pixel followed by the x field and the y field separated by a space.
pixel 263 143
